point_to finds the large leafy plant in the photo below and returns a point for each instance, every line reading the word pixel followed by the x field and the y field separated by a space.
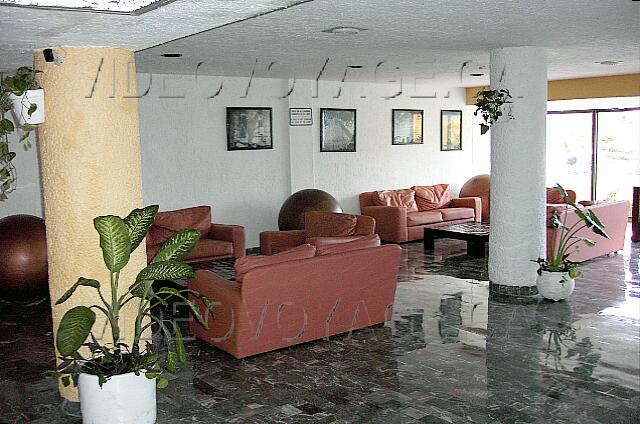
pixel 118 238
pixel 24 79
pixel 490 104
pixel 560 251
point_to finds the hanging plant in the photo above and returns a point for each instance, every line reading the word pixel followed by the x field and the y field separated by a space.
pixel 16 92
pixel 490 104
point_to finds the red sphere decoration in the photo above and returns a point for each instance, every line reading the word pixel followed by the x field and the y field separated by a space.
pixel 23 258
pixel 479 186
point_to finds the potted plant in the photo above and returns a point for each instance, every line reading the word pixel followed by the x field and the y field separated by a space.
pixel 116 382
pixel 18 92
pixel 489 104
pixel 556 274
pixel 25 95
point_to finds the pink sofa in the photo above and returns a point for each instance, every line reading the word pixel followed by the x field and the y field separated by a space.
pixel 283 304
pixel 402 215
pixel 614 217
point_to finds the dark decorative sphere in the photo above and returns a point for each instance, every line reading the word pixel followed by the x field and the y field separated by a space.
pixel 479 186
pixel 291 216
pixel 23 258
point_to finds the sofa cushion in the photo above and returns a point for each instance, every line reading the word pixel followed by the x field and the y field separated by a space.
pixel 364 242
pixel 198 217
pixel 423 218
pixel 326 241
pixel 399 198
pixel 247 263
pixel 432 197
pixel 328 224
pixel 452 214
pixel 207 247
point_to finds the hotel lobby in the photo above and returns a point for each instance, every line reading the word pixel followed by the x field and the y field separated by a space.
pixel 245 120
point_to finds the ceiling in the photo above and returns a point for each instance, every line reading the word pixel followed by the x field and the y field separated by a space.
pixel 442 39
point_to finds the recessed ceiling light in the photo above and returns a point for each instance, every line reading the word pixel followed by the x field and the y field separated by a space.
pixel 355 66
pixel 130 7
pixel 609 62
pixel 477 75
pixel 171 55
pixel 344 30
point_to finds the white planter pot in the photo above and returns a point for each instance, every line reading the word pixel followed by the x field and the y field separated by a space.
pixel 555 285
pixel 123 399
pixel 21 107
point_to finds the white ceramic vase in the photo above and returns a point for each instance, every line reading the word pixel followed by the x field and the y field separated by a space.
pixel 555 285
pixel 21 107
pixel 123 399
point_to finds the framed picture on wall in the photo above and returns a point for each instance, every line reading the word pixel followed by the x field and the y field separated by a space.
pixel 337 130
pixel 450 130
pixel 407 126
pixel 249 128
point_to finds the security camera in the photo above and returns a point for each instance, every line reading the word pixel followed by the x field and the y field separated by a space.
pixel 51 56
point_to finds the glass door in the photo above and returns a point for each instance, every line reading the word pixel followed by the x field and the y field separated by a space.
pixel 570 152
pixel 618 158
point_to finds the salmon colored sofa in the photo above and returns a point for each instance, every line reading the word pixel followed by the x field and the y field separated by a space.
pixel 613 215
pixel 320 228
pixel 309 297
pixel 401 215
pixel 217 241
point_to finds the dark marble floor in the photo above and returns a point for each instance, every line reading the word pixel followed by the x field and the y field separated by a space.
pixel 450 355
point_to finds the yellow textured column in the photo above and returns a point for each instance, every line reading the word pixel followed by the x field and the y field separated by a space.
pixel 90 166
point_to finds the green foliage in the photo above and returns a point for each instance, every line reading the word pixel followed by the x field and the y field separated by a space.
pixel 118 238
pixel 24 79
pixel 558 254
pixel 490 104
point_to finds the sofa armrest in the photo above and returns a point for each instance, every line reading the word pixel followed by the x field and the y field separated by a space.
pixel 469 202
pixel 226 300
pixel 232 233
pixel 272 242
pixel 391 222
pixel 366 225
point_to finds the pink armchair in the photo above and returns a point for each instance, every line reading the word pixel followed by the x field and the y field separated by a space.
pixel 321 228
pixel 217 241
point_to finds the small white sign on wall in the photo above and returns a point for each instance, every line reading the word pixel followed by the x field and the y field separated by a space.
pixel 300 117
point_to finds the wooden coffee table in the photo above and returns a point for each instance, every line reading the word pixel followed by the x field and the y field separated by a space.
pixel 476 234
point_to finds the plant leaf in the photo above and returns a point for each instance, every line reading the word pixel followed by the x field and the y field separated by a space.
pixel 171 361
pixel 178 246
pixel 166 270
pixel 138 223
pixel 484 128
pixel 114 241
pixel 81 282
pixel 74 329
pixel 6 126
pixel 181 352
pixel 161 382
pixel 32 109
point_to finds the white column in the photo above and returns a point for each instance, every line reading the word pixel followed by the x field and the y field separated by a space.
pixel 518 170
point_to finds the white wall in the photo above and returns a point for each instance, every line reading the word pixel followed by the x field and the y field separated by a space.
pixel 185 161
pixel 377 164
pixel 26 198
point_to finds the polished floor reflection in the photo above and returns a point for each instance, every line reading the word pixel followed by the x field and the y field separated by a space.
pixel 450 355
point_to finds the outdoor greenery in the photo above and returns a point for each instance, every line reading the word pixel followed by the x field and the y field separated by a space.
pixel 557 260
pixel 490 104
pixel 24 79
pixel 118 238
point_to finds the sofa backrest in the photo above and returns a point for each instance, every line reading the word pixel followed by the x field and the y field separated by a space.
pixel 168 222
pixel 554 197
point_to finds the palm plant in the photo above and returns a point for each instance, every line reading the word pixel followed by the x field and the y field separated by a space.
pixel 118 238
pixel 560 251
